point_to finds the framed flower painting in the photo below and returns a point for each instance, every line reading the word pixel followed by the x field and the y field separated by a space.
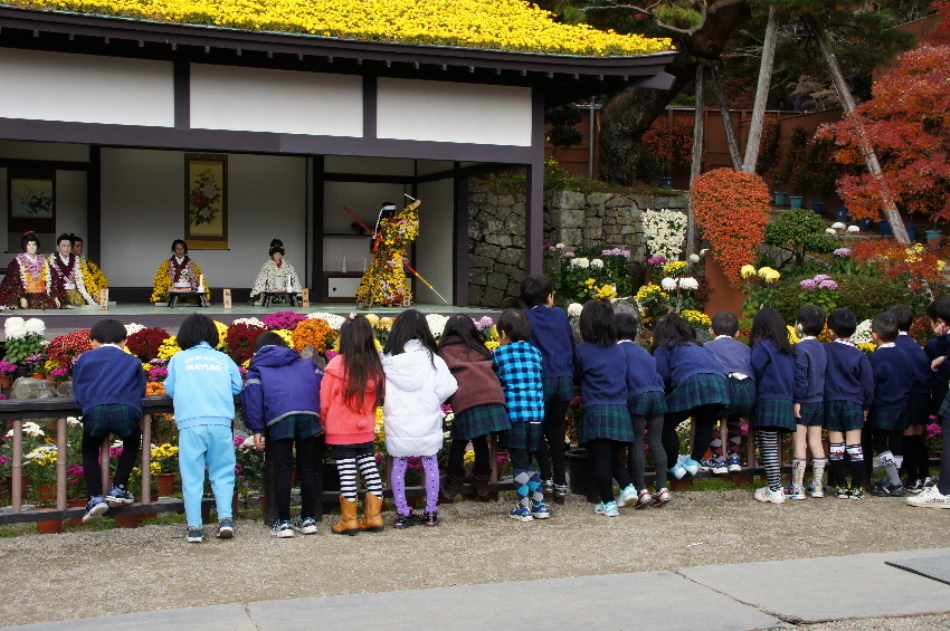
pixel 206 201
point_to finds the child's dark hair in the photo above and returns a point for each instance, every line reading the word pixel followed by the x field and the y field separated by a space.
pixel 597 323
pixel 197 328
pixel 361 362
pixel 108 332
pixel 905 317
pixel 671 331
pixel 725 323
pixel 885 325
pixel 769 325
pixel 409 325
pixel 627 325
pixel 268 338
pixel 463 327
pixel 939 310
pixel 842 322
pixel 535 290
pixel 64 237
pixel 515 324
pixel 812 319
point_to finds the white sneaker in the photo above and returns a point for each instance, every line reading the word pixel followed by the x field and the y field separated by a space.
pixel 678 471
pixel 628 496
pixel 930 497
pixel 691 466
pixel 765 494
pixel 815 489
pixel 607 509
pixel 282 530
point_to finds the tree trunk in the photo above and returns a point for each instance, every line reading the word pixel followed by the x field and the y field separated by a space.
pixel 696 167
pixel 726 118
pixel 848 105
pixel 761 94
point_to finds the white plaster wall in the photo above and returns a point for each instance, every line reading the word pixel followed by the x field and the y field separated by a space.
pixel 86 88
pixel 142 198
pixel 281 101
pixel 364 200
pixel 410 109
pixel 434 258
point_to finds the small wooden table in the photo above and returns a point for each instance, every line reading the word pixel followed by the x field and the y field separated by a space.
pixel 270 295
pixel 173 297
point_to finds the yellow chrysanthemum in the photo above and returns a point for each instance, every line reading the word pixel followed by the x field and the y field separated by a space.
pixel 695 319
pixel 768 274
pixel 747 271
pixel 168 348
pixel 673 267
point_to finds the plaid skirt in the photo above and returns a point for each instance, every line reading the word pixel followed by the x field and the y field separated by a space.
pixel 741 398
pixel 606 421
pixel 480 420
pixel 649 405
pixel 774 415
pixel 705 388
pixel 103 420
pixel 918 409
pixel 889 420
pixel 558 389
pixel 356 450
pixel 944 410
pixel 843 416
pixel 522 435
pixel 813 414
pixel 297 426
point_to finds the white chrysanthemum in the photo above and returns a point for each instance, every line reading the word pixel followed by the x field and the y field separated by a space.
pixel 436 324
pixel 862 334
pixel 689 284
pixel 665 231
pixel 838 225
pixel 668 284
pixel 854 229
pixel 335 321
pixel 248 321
pixel 560 246
pixel 831 231
pixel 574 309
pixel 132 328
pixel 596 263
pixel 35 326
pixel 694 258
pixel 14 328
pixel 581 262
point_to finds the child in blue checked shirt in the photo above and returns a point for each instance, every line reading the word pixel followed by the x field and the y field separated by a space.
pixel 518 366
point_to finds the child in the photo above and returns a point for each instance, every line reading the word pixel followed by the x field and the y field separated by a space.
pixel 938 346
pixel 551 334
pixel 938 495
pixel 478 404
pixel 893 380
pixel 849 392
pixel 601 371
pixel 353 387
pixel 282 396
pixel 736 359
pixel 203 383
pixel 916 458
pixel 109 385
pixel 811 362
pixel 518 366
pixel 417 383
pixel 696 385
pixel 773 363
pixel 646 403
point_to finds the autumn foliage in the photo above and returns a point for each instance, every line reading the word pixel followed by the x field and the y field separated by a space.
pixel 731 208
pixel 914 265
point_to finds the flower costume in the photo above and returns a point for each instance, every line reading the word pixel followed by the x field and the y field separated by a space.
pixel 66 272
pixel 175 270
pixel 384 282
pixel 273 270
pixel 30 278
pixel 92 276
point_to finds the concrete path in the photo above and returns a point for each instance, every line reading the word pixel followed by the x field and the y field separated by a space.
pixel 742 597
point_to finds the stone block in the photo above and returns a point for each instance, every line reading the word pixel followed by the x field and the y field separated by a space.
pixel 510 256
pixel 497 280
pixel 568 200
pixel 478 276
pixel 487 250
pixel 475 293
pixel 595 199
pixel 493 297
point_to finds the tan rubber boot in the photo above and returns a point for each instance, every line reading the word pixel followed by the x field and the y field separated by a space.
pixel 372 521
pixel 348 525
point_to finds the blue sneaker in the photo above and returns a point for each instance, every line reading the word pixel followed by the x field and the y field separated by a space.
pixel 119 495
pixel 282 529
pixel 226 528
pixel 692 467
pixel 678 471
pixel 95 509
pixel 717 465
pixel 195 535
pixel 521 513
pixel 607 509
pixel 628 496
pixel 540 510
pixel 734 464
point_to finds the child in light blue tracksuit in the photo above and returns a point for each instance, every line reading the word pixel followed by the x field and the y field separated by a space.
pixel 203 383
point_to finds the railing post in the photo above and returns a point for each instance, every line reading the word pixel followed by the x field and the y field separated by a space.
pixel 16 468
pixel 147 459
pixel 104 464
pixel 61 464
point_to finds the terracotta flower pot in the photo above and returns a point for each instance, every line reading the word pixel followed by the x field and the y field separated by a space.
pixel 49 527
pixel 39 375
pixel 6 382
pixel 76 503
pixel 47 493
pixel 24 484
pixel 165 483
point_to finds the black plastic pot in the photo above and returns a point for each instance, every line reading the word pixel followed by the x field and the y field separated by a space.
pixel 581 475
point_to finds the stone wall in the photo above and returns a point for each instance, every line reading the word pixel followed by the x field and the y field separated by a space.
pixel 496 233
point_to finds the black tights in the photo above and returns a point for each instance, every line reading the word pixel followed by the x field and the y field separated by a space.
pixel 705 418
pixel 605 461
pixel 552 449
pixel 457 456
pixel 92 470
pixel 655 428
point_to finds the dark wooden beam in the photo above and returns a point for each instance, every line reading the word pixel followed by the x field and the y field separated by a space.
pixel 93 243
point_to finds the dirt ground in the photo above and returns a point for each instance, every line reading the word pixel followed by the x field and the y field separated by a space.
pixel 94 573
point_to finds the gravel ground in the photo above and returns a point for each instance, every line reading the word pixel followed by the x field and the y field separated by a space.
pixel 94 573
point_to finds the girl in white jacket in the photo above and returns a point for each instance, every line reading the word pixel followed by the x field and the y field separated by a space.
pixel 417 383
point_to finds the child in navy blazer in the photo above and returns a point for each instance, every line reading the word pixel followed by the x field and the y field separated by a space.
pixel 810 365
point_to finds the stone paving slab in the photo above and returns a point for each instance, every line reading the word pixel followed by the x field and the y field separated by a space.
pixel 229 617
pixel 830 588
pixel 936 568
pixel 647 600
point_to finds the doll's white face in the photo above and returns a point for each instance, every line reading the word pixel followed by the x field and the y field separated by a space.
pixel 64 247
pixel 277 256
pixel 31 247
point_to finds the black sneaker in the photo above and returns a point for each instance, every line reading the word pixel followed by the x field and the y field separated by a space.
pixel 226 528
pixel 195 535
pixel 888 490
pixel 547 487
pixel 404 521
pixel 560 493
pixel 431 518
pixel 95 509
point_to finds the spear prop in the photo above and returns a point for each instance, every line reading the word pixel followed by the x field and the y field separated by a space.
pixel 405 263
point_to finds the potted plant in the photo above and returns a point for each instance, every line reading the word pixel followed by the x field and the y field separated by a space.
pixel 37 365
pixel 165 467
pixel 248 467
pixel 6 373
pixel 40 465
pixel 24 339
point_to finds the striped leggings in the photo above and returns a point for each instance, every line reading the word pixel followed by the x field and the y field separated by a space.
pixel 349 483
pixel 768 447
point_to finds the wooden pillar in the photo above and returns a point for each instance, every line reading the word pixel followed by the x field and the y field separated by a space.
pixel 460 243
pixel 316 230
pixel 93 242
pixel 534 195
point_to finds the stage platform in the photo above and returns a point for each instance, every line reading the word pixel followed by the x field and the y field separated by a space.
pixel 62 321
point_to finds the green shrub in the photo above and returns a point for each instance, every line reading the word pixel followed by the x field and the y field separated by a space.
pixel 801 231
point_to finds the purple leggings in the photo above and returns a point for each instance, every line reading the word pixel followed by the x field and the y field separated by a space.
pixel 430 466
